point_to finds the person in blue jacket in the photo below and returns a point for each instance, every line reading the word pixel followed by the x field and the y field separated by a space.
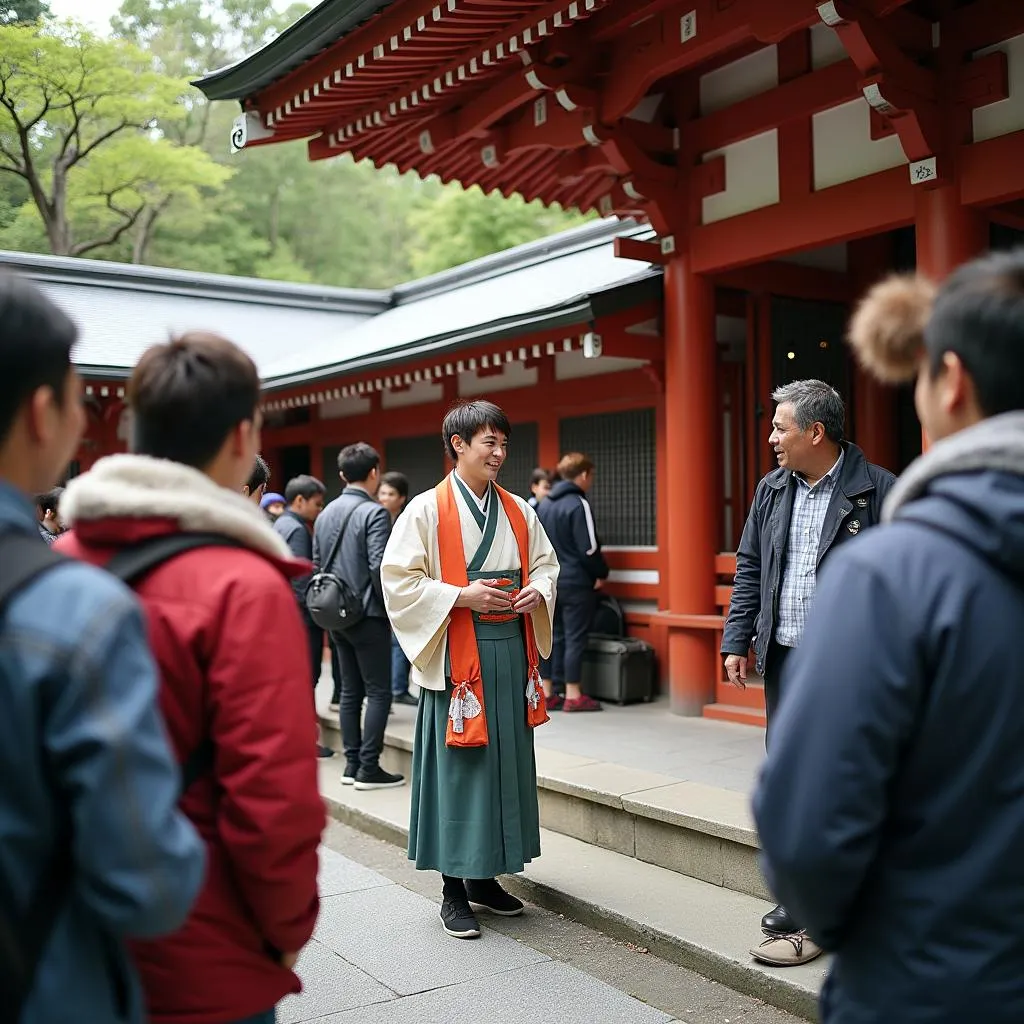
pixel 88 786
pixel 891 804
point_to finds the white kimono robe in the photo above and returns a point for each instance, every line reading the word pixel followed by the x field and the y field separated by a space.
pixel 419 604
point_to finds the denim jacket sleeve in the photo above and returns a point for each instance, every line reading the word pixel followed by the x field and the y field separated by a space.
pixel 139 863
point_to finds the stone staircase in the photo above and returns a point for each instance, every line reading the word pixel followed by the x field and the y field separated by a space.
pixel 670 866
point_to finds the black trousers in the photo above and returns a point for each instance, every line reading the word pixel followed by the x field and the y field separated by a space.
pixel 574 612
pixel 774 663
pixel 364 653
pixel 316 650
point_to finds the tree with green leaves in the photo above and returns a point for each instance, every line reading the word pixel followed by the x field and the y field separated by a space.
pixel 23 12
pixel 79 119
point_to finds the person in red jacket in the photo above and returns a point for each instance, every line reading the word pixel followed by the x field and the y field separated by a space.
pixel 232 651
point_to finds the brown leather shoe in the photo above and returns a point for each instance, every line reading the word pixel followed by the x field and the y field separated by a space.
pixel 787 950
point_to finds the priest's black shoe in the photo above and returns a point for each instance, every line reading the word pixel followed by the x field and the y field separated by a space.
pixel 488 894
pixel 458 919
pixel 779 922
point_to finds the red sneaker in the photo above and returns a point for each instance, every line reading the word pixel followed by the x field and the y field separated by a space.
pixel 555 702
pixel 582 703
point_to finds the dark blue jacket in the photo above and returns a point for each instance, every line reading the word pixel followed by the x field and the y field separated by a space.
pixel 569 523
pixel 362 548
pixel 81 738
pixel 299 537
pixel 891 806
pixel 856 504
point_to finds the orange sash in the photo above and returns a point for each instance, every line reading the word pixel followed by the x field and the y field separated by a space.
pixel 467 721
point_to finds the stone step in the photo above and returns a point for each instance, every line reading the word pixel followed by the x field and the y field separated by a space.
pixel 735 713
pixel 699 925
pixel 700 831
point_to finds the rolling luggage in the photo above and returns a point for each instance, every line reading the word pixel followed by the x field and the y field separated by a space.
pixel 618 669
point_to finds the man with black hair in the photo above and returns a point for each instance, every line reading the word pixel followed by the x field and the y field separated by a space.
pixel 259 477
pixel 48 510
pixel 304 500
pixel 891 806
pixel 469 576
pixel 393 494
pixel 233 655
pixel 349 541
pixel 95 849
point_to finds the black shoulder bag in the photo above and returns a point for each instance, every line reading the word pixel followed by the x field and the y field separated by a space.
pixel 332 604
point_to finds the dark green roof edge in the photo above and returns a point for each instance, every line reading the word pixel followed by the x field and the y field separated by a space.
pixel 328 22
pixel 644 287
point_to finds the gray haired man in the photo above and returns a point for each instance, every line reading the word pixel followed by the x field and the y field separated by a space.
pixel 823 493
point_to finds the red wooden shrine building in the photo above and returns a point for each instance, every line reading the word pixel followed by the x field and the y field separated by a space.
pixel 784 155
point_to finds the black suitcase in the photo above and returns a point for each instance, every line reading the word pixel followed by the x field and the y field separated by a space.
pixel 618 669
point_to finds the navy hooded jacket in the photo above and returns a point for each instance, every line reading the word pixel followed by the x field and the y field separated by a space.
pixel 569 523
pixel 891 805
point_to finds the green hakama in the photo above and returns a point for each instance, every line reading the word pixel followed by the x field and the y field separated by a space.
pixel 474 809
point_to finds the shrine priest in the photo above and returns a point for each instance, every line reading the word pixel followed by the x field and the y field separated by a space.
pixel 469 582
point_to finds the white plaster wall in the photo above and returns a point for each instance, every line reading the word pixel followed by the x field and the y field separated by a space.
pixel 751 177
pixel 574 365
pixel 512 376
pixel 756 73
pixel 1007 115
pixel 826 47
pixel 649 576
pixel 339 408
pixel 844 149
pixel 418 394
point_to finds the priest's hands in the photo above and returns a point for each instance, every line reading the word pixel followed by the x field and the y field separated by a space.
pixel 484 596
pixel 529 601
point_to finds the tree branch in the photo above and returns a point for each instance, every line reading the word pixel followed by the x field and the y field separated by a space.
pixel 98 141
pixel 130 217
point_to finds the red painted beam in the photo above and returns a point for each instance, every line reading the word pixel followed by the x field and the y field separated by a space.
pixel 867 206
pixel 790 279
pixel 990 171
pixel 802 97
pixel 984 23
pixel 643 252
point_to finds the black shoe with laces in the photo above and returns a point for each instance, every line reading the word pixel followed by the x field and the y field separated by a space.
pixel 458 920
pixel 779 922
pixel 488 894
pixel 377 778
pixel 407 699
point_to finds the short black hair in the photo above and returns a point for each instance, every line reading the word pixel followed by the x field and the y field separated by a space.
pixel 36 339
pixel 304 486
pixel 260 475
pixel 467 419
pixel 186 397
pixel 357 461
pixel 979 316
pixel 539 476
pixel 50 501
pixel 398 481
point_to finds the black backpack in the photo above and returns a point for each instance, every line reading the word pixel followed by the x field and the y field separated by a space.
pixel 23 937
pixel 332 604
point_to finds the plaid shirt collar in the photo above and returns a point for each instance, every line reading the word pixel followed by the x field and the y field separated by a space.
pixel 831 476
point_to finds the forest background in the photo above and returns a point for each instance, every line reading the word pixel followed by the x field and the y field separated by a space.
pixel 107 152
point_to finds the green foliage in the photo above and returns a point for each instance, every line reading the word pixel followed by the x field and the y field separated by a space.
pixel 23 12
pixel 164 188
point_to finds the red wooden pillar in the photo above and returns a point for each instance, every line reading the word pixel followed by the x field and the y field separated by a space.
pixel 548 441
pixel 693 443
pixel 948 234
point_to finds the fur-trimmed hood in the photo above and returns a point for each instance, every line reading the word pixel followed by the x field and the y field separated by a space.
pixel 971 485
pixel 122 487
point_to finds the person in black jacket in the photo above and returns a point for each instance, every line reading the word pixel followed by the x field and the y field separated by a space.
pixel 304 501
pixel 891 806
pixel 364 649
pixel 568 521
pixel 823 495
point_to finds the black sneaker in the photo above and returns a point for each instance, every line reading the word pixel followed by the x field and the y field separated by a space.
pixel 349 776
pixel 407 699
pixel 377 778
pixel 489 895
pixel 323 752
pixel 458 919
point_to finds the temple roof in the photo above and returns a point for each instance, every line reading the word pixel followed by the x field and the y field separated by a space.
pixel 566 280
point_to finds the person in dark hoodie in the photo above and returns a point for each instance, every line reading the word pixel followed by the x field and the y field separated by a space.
pixel 891 806
pixel 569 523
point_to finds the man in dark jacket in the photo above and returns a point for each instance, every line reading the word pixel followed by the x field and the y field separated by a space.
pixel 891 806
pixel 568 521
pixel 303 501
pixel 823 494
pixel 364 649
pixel 94 850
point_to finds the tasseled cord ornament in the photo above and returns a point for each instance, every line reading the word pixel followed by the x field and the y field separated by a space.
pixel 887 328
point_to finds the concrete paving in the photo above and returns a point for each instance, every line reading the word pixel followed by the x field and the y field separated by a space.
pixel 379 956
